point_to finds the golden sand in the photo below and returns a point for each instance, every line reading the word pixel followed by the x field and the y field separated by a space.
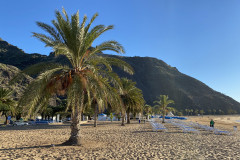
pixel 112 141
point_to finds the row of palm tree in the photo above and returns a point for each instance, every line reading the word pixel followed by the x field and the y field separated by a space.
pixel 89 82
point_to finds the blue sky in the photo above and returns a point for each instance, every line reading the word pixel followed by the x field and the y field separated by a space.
pixel 199 37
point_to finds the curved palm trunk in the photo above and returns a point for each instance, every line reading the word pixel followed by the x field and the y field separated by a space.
pixel 128 117
pixel 95 115
pixel 75 129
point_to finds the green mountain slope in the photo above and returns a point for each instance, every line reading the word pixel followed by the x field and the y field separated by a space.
pixel 153 76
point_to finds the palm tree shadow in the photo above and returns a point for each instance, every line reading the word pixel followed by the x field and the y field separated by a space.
pixel 32 147
pixel 167 132
pixel 34 127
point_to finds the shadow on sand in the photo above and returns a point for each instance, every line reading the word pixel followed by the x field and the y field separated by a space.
pixel 33 127
pixel 53 126
pixel 32 147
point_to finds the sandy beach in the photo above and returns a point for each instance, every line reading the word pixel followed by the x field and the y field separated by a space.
pixel 112 141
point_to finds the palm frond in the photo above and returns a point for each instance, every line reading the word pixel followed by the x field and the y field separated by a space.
pixel 121 64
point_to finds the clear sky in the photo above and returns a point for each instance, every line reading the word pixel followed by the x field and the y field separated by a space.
pixel 199 37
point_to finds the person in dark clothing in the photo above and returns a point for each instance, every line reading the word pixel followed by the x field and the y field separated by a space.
pixel 212 123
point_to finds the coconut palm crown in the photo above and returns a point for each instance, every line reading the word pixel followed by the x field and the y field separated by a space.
pixel 89 77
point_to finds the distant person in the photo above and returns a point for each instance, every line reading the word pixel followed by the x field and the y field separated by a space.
pixel 212 123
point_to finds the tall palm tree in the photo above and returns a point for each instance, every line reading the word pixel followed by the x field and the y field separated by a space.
pixel 88 77
pixel 132 99
pixel 7 104
pixel 162 103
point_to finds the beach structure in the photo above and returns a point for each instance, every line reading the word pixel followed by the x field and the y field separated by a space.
pixel 170 114
pixel 102 117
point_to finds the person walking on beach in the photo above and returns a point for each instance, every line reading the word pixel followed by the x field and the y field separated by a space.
pixel 212 123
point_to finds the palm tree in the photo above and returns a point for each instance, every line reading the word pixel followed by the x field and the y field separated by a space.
pixel 132 99
pixel 201 112
pixel 147 110
pixel 196 111
pixel 162 103
pixel 88 77
pixel 214 111
pixel 187 111
pixel 209 111
pixel 7 104
pixel 191 111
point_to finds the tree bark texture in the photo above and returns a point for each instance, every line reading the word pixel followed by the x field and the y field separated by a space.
pixel 128 117
pixel 75 129
pixel 95 115
pixel 123 117
pixel 164 113
pixel 6 119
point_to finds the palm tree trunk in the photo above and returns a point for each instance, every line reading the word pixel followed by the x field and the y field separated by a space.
pixel 128 117
pixel 6 118
pixel 75 129
pixel 164 112
pixel 123 116
pixel 95 115
pixel 42 115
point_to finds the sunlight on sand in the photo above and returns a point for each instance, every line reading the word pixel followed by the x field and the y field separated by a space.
pixel 112 141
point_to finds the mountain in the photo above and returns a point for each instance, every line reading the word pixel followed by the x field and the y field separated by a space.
pixel 153 76
pixel 12 55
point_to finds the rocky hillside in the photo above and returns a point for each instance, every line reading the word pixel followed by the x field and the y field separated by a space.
pixel 153 76
pixel 7 73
